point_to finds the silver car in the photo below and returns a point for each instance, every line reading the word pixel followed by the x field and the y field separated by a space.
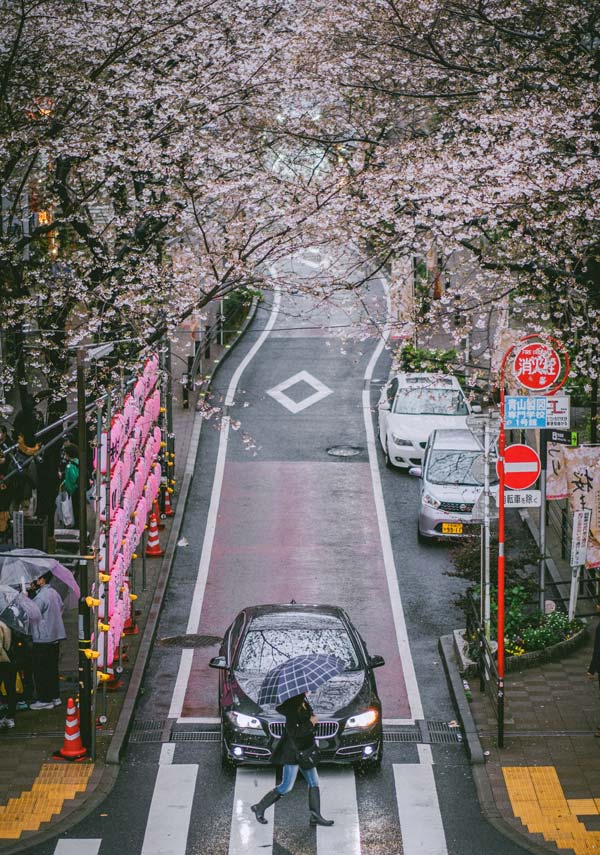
pixel 452 477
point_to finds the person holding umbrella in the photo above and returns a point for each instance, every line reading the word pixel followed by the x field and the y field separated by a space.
pixel 286 685
pixel 18 615
pixel 47 635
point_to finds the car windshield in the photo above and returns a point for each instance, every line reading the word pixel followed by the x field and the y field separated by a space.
pixel 426 401
pixel 461 468
pixel 264 649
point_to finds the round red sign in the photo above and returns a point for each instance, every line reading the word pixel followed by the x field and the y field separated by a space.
pixel 522 467
pixel 537 366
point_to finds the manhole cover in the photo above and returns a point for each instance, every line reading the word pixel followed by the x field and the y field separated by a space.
pixel 344 450
pixel 191 640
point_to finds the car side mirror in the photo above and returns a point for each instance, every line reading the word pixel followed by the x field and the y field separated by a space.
pixel 376 661
pixel 417 471
pixel 218 662
pixel 475 408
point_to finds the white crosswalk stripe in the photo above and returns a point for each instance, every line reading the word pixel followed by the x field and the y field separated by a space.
pixel 170 810
pixel 338 802
pixel 418 809
pixel 78 847
pixel 247 835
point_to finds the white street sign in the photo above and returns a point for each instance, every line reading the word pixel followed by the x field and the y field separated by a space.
pixel 581 531
pixel 522 498
pixel 558 411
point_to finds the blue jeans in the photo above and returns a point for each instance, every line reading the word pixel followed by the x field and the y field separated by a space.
pixel 289 778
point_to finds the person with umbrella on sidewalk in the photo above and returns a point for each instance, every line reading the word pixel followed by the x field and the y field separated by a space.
pixel 47 635
pixel 286 686
pixel 18 615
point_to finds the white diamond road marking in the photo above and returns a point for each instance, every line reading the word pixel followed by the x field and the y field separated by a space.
pixel 321 391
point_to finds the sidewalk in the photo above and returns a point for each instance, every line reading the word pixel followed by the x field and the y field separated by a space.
pixel 543 788
pixel 39 795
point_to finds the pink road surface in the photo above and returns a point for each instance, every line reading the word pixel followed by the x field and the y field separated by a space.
pixel 302 531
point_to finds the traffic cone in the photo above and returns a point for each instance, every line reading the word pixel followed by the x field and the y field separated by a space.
pixel 169 512
pixel 72 745
pixel 114 682
pixel 153 549
pixel 156 512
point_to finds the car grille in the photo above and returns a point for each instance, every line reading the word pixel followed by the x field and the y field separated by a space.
pixel 324 729
pixel 457 507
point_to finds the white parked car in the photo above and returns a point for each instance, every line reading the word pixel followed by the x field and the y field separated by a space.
pixel 411 406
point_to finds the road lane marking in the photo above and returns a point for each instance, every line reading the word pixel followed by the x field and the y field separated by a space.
pixel 278 392
pixel 408 668
pixel 183 676
pixel 419 810
pixel 249 837
pixel 170 810
pixel 78 847
pixel 167 752
pixel 338 802
pixel 215 497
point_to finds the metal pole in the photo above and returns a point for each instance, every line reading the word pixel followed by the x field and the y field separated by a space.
pixel 84 622
pixel 575 571
pixel 486 527
pixel 542 525
pixel 501 445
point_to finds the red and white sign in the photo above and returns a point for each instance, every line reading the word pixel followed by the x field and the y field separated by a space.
pixel 522 467
pixel 537 366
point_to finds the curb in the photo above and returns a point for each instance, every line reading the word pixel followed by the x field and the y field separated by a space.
pixel 109 771
pixel 485 794
pixel 469 728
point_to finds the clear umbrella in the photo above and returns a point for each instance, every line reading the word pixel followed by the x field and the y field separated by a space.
pixel 23 566
pixel 17 611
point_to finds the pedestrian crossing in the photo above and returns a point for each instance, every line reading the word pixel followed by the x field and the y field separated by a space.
pixel 181 801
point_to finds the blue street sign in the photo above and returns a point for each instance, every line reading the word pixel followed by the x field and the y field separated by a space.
pixel 536 411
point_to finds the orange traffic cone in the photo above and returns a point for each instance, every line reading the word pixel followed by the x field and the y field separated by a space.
pixel 114 682
pixel 156 512
pixel 153 549
pixel 169 512
pixel 72 745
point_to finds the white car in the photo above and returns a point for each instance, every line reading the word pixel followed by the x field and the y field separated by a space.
pixel 411 406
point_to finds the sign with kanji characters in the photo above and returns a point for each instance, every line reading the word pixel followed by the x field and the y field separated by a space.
pixel 582 471
pixel 537 366
pixel 522 498
pixel 536 411
pixel 580 537
pixel 522 467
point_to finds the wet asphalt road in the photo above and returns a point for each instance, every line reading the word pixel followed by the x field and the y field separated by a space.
pixel 427 596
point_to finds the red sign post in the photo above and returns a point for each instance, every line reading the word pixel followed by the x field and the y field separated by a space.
pixel 522 467
pixel 537 366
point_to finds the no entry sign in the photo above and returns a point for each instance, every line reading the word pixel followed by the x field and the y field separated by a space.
pixel 537 366
pixel 521 467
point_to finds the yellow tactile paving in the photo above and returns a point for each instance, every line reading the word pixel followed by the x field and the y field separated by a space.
pixel 54 784
pixel 538 800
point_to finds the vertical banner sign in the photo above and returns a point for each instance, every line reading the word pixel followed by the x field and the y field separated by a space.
pixel 579 542
pixel 582 466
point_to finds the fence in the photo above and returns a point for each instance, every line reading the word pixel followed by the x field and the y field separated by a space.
pixel 480 649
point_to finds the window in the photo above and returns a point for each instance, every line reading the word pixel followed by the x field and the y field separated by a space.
pixel 428 401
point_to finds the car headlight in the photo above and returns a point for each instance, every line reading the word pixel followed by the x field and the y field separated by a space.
pixel 365 719
pixel 244 721
pixel 400 440
pixel 428 499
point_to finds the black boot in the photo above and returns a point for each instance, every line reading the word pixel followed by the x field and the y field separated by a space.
pixel 266 801
pixel 314 804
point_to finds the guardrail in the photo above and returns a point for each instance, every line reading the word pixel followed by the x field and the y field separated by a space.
pixel 480 649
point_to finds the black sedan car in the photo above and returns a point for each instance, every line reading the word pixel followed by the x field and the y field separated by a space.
pixel 348 707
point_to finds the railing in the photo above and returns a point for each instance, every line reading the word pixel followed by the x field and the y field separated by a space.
pixel 481 651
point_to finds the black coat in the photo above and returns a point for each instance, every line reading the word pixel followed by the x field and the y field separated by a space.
pixel 297 712
pixel 595 663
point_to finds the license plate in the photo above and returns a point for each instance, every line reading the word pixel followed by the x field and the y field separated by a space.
pixel 452 528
